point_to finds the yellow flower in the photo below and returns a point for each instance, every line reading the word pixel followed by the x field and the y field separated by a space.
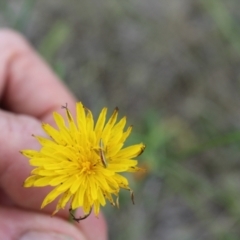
pixel 82 161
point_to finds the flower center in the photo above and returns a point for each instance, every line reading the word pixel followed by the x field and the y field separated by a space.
pixel 87 167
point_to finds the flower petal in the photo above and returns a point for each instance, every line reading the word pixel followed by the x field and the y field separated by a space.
pixel 100 123
pixel 82 161
pixel 50 197
pixel 132 151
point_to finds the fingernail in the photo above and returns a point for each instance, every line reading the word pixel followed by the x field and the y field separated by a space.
pixel 35 235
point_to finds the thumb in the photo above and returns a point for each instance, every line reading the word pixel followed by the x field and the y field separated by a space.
pixel 17 224
pixel 16 131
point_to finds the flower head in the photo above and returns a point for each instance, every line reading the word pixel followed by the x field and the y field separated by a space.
pixel 82 160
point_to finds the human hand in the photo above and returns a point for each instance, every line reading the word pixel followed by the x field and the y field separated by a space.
pixel 29 93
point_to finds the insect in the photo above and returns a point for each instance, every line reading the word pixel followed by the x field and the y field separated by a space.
pixel 101 152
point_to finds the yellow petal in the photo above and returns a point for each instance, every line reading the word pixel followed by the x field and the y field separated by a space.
pixel 86 204
pixel 64 199
pixel 58 180
pixel 113 150
pixel 63 130
pixel 38 161
pixel 107 130
pixel 113 184
pixel 132 151
pixel 100 197
pixel 100 123
pixel 72 125
pixel 117 167
pixel 126 134
pixel 53 133
pixel 136 169
pixel 42 181
pixel 108 196
pixel 44 141
pixel 114 139
pixel 96 208
pixel 89 121
pixel 75 185
pixel 66 184
pixel 50 197
pixel 82 194
pixel 93 189
pixel 59 120
pixel 81 117
pixel 118 128
pixel 30 181
pixel 120 179
pixel 31 153
pixel 102 183
pixel 43 172
pixel 75 202
pixel 126 162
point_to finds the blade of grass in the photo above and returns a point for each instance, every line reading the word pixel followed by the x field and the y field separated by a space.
pixel 23 17
pixel 217 141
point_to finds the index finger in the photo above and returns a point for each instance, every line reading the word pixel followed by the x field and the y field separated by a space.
pixel 27 85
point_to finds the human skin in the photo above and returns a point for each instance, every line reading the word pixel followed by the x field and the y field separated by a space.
pixel 29 93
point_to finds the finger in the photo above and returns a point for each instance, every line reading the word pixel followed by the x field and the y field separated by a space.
pixel 27 85
pixel 17 224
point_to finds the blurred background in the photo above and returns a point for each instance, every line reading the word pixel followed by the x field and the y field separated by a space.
pixel 173 67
